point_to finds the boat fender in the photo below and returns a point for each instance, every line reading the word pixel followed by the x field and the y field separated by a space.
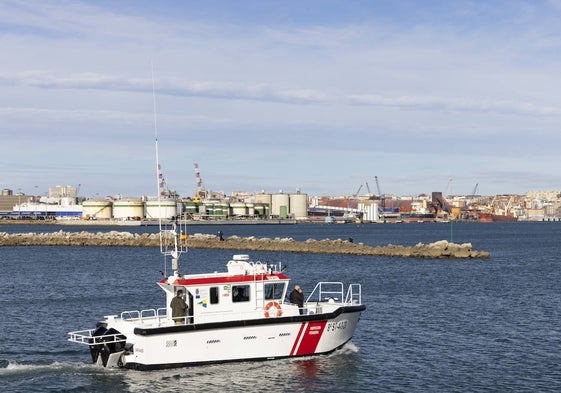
pixel 277 306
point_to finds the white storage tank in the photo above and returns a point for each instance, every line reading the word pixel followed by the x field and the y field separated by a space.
pixel 239 209
pixel 164 209
pixel 299 206
pixel 370 211
pixel 128 209
pixel 97 209
pixel 262 198
pixel 280 205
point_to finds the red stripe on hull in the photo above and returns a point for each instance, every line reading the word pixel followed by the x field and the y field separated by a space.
pixel 309 338
pixel 297 341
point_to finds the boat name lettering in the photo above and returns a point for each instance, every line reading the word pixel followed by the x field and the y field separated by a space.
pixel 171 343
pixel 139 350
pixel 273 278
pixel 213 341
pixel 332 326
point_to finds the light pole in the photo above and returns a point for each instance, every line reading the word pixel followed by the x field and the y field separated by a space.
pixel 19 203
pixel 35 200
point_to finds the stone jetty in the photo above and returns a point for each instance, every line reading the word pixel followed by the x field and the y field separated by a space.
pixel 439 249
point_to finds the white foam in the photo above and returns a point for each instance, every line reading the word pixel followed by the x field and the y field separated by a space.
pixel 14 367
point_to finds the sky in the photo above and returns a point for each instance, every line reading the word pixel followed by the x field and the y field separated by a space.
pixel 317 96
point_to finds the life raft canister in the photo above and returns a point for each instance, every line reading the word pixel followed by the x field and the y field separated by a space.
pixel 275 305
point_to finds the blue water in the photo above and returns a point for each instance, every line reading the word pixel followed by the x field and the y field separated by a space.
pixel 430 325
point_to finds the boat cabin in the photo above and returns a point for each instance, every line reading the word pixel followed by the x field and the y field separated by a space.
pixel 247 290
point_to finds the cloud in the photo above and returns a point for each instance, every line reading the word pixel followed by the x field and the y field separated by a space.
pixel 269 93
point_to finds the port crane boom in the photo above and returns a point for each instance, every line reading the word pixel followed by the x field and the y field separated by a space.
pixel 382 198
pixel 474 193
pixel 358 191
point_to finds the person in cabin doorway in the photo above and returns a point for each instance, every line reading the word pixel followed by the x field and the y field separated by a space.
pixel 297 297
pixel 178 308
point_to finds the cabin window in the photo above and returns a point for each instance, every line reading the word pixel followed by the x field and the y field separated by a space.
pixel 240 293
pixel 274 291
pixel 213 295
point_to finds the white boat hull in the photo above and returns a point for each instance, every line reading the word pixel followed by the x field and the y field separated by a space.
pixel 259 339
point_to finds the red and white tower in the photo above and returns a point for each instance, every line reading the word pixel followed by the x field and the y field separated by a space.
pixel 200 188
pixel 162 188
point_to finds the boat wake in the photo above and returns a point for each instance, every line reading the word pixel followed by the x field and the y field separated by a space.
pixel 348 348
pixel 310 370
pixel 11 367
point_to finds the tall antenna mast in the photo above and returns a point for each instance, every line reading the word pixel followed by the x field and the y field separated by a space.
pixel 177 250
pixel 159 175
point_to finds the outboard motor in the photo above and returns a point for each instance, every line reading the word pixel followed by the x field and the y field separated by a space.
pixel 104 343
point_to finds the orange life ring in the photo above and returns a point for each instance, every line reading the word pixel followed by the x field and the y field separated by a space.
pixel 275 305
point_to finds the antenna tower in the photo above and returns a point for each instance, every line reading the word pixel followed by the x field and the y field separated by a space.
pixel 162 187
pixel 200 188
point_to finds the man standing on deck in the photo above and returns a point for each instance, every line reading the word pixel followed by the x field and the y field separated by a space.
pixel 178 308
pixel 297 297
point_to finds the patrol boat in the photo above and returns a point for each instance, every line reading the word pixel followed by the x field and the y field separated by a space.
pixel 237 315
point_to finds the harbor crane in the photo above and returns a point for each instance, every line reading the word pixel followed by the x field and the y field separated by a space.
pixel 382 198
pixel 369 192
pixel 474 192
pixel 446 193
pixel 358 191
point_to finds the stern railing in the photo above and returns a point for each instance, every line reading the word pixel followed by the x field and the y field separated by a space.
pixel 87 337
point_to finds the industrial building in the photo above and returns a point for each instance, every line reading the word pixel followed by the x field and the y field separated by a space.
pixel 63 203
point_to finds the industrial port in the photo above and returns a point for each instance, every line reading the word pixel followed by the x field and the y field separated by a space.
pixel 62 203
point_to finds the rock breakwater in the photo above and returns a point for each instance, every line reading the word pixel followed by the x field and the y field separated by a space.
pixel 439 249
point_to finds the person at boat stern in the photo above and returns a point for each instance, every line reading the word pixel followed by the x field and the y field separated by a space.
pixel 297 297
pixel 178 308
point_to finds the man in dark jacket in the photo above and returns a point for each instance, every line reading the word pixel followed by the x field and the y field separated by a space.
pixel 178 308
pixel 297 297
